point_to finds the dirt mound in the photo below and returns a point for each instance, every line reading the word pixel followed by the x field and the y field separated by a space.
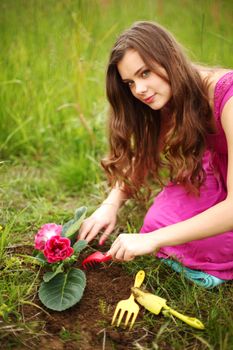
pixel 87 325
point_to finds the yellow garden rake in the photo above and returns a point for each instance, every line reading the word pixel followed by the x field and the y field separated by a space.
pixel 128 308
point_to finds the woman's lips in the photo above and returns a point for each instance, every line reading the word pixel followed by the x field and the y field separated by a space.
pixel 149 99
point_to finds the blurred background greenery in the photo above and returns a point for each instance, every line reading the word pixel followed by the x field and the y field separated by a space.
pixel 52 71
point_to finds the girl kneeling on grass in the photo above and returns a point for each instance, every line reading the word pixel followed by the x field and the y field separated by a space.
pixel 167 112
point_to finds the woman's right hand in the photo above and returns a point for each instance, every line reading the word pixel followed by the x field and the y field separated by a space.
pixel 103 218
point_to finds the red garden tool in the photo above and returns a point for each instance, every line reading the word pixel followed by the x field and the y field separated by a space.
pixel 95 258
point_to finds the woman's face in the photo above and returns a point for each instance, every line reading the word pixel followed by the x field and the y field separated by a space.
pixel 144 84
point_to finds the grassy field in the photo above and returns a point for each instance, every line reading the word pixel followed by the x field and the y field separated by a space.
pixel 52 136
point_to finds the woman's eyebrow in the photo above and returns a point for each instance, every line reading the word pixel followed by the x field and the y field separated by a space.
pixel 136 73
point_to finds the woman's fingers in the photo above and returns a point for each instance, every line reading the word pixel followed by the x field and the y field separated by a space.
pixel 121 249
pixel 115 243
pixel 106 233
pixel 89 230
pixel 94 231
pixel 113 249
pixel 128 256
pixel 104 218
pixel 119 253
pixel 85 228
pixel 127 246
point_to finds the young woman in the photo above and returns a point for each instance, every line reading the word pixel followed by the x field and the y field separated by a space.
pixel 168 113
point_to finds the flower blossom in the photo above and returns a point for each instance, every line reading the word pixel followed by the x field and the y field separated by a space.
pixel 57 248
pixel 45 233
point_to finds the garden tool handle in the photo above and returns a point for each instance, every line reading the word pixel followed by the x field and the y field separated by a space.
pixel 140 276
pixel 191 321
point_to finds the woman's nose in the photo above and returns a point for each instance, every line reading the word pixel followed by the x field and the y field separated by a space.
pixel 140 88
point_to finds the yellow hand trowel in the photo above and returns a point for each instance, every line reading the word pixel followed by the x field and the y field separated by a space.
pixel 155 304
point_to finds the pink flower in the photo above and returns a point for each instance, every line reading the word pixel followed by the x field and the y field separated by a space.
pixel 46 232
pixel 57 248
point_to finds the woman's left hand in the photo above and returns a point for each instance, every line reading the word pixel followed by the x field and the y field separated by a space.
pixel 127 246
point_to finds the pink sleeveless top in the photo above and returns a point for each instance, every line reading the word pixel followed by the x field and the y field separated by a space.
pixel 213 255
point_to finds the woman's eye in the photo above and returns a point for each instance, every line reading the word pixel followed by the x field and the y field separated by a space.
pixel 130 83
pixel 146 73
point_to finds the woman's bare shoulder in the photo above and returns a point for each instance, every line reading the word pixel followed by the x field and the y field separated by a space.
pixel 211 76
pixel 217 74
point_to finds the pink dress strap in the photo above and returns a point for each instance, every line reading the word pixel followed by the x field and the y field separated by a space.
pixel 223 92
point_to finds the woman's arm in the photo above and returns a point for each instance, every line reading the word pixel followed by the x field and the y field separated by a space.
pixel 215 220
pixel 116 197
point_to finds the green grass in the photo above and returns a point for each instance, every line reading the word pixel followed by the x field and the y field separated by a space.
pixel 52 136
pixel 53 65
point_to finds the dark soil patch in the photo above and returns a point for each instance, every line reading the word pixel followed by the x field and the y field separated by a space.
pixel 87 325
pixel 90 320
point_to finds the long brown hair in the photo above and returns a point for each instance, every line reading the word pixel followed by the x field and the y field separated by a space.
pixel 135 128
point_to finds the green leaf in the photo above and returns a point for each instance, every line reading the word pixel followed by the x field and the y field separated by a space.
pixel 71 227
pixel 40 258
pixel 66 226
pixel 79 213
pixel 51 274
pixel 64 290
pixel 79 246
